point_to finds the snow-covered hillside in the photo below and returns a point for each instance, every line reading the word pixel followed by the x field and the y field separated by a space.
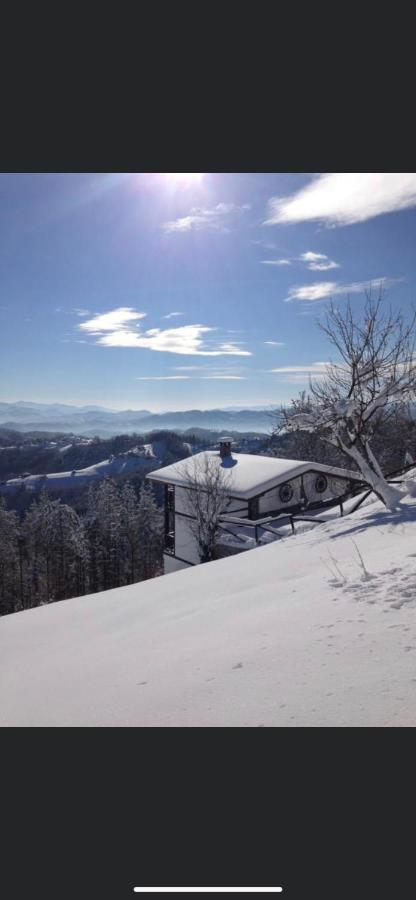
pixel 122 465
pixel 314 630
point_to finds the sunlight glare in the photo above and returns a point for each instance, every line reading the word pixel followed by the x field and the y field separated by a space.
pixel 184 177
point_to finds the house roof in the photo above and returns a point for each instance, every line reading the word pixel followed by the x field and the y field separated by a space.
pixel 248 475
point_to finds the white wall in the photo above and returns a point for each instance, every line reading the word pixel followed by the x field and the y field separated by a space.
pixel 272 501
pixel 336 487
pixel 185 543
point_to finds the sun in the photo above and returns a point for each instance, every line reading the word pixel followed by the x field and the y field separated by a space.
pixel 184 177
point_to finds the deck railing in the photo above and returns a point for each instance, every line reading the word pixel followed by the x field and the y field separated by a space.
pixel 268 524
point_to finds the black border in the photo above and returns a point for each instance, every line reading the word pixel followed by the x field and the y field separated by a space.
pixel 90 812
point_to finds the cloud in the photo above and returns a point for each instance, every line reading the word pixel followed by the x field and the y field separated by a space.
pixel 299 374
pixel 318 262
pixel 276 262
pixel 216 373
pixel 81 312
pixel 172 315
pixel 344 198
pixel 274 343
pixel 216 219
pixel 114 321
pixel 323 267
pixel 163 378
pixel 319 367
pixel 268 245
pixel 113 329
pixel 323 290
pixel 190 378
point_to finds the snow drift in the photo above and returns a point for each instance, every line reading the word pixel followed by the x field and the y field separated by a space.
pixel 315 630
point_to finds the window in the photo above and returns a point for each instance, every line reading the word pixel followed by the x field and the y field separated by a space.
pixel 170 519
pixel 286 493
pixel 321 484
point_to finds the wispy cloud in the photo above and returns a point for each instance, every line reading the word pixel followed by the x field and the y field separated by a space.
pixel 216 219
pixel 114 329
pixel 344 198
pixel 115 321
pixel 316 368
pixel 81 312
pixel 300 374
pixel 276 262
pixel 274 343
pixel 173 315
pixel 317 262
pixel 163 378
pixel 190 378
pixel 212 371
pixel 268 245
pixel 323 290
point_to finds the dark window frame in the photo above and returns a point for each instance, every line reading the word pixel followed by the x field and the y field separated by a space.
pixel 286 486
pixel 170 523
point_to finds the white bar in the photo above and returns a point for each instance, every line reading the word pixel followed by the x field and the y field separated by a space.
pixel 208 890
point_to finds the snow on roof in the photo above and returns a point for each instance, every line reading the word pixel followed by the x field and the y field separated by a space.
pixel 255 639
pixel 249 474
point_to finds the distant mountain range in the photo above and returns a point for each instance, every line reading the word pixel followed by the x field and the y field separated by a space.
pixel 96 420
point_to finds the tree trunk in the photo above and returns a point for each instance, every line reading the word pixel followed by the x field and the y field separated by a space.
pixel 373 475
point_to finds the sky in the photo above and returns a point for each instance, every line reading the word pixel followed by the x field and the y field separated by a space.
pixel 171 291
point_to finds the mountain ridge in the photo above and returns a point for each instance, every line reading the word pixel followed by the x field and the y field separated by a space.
pixel 91 421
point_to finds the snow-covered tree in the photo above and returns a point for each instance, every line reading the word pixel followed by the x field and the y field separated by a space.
pixel 150 531
pixel 375 374
pixel 105 533
pixel 131 531
pixel 11 592
pixel 56 551
pixel 207 499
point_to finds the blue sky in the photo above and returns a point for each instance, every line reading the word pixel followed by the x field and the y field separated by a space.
pixel 176 291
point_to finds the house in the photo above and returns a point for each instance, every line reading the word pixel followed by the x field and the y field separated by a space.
pixel 257 487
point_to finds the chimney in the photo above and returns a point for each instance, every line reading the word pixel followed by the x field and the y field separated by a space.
pixel 225 447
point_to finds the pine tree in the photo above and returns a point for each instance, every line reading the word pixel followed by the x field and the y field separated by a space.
pixel 57 552
pixel 106 530
pixel 10 593
pixel 150 527
pixel 131 532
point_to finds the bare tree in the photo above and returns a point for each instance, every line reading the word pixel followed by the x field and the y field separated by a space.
pixel 207 499
pixel 375 376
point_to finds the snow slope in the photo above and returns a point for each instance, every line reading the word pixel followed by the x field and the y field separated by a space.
pixel 291 634
pixel 123 465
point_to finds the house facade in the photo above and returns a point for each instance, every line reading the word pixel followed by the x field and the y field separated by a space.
pixel 256 486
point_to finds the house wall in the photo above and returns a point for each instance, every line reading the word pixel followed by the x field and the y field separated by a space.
pixel 271 501
pixel 336 487
pixel 185 544
pixel 186 547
